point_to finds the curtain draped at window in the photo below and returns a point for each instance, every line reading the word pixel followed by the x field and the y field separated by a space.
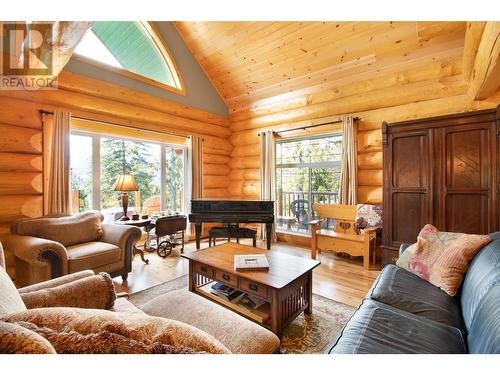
pixel 57 191
pixel 267 174
pixel 196 167
pixel 194 173
pixel 348 173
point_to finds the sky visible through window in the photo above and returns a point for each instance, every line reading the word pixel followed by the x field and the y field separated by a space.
pixel 90 46
pixel 131 46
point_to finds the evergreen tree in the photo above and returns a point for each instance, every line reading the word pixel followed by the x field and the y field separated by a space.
pixel 174 178
pixel 119 156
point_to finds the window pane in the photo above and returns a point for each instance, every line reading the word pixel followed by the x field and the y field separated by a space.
pixel 307 172
pixel 293 198
pixel 309 150
pixel 141 160
pixel 174 194
pixel 81 172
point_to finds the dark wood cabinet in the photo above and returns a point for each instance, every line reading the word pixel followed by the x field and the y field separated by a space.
pixel 443 171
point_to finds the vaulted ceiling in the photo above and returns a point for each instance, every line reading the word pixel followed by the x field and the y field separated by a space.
pixel 250 62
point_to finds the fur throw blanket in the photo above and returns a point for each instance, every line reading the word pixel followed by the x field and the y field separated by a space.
pixel 76 330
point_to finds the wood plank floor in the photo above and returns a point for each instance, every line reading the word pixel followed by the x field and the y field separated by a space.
pixel 337 278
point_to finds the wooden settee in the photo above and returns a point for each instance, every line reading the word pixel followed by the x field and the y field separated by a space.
pixel 343 237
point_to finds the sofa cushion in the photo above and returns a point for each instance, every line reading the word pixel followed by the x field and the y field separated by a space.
pixel 10 300
pixel 484 333
pixel 67 230
pixel 137 327
pixel 482 275
pixel 187 307
pixel 442 258
pixel 93 292
pixel 376 328
pixel 401 289
pixel 92 255
pixel 15 339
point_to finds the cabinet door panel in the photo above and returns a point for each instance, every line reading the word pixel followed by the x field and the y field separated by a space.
pixel 410 214
pixel 409 162
pixel 468 179
pixel 467 159
pixel 407 187
pixel 467 213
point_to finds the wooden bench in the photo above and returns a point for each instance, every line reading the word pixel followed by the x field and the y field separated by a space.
pixel 343 237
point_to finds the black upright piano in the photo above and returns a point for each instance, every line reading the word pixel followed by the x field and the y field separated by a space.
pixel 231 212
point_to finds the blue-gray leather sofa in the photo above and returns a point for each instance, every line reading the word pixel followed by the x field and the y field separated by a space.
pixel 405 314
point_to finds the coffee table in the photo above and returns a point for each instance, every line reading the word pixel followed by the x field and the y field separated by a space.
pixel 286 286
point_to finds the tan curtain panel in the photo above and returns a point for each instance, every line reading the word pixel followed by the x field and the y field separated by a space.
pixel 348 173
pixel 267 174
pixel 56 139
pixel 196 149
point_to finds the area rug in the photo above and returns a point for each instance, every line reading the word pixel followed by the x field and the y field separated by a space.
pixel 306 334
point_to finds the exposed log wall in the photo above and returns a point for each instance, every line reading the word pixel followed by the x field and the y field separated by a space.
pixel 21 143
pixel 21 164
pixel 433 90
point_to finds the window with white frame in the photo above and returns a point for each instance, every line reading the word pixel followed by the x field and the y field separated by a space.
pixel 307 172
pixel 158 168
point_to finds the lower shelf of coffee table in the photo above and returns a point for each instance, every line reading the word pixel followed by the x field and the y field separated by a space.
pixel 260 315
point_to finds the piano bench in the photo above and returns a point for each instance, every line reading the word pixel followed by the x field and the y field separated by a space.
pixel 231 232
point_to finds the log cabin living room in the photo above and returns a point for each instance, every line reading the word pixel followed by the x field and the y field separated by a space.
pixel 250 186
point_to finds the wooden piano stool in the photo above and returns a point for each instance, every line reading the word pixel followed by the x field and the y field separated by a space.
pixel 343 237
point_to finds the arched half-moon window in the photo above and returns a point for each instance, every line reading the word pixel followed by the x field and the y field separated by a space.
pixel 134 49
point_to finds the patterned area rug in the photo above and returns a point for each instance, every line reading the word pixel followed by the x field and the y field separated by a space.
pixel 306 334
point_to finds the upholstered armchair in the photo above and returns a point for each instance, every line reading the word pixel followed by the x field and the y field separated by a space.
pixel 49 247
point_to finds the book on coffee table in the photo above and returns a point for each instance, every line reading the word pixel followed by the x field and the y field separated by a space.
pixel 225 292
pixel 251 262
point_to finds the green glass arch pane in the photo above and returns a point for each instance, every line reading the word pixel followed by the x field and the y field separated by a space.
pixel 129 43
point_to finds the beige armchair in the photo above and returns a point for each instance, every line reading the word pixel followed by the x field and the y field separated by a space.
pixel 49 247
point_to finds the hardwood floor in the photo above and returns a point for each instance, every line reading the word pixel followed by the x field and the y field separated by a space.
pixel 337 278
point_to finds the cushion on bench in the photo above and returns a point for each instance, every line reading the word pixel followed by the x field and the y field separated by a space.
pixel 377 328
pixel 403 290
pixel 237 333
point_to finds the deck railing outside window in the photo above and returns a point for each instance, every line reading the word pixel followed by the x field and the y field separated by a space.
pixel 307 172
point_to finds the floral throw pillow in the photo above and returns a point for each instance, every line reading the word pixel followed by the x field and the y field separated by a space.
pixel 368 216
pixel 442 258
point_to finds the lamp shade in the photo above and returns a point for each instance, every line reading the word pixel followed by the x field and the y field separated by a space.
pixel 125 182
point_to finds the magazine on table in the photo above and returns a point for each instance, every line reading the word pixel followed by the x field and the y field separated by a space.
pixel 251 262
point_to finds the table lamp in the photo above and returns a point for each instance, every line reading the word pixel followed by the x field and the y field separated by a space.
pixel 125 183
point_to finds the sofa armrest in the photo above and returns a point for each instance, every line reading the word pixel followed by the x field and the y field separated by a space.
pixel 91 292
pixel 403 247
pixel 315 222
pixel 123 236
pixel 119 234
pixel 34 250
pixel 57 281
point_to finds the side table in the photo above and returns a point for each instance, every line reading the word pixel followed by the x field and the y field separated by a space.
pixel 137 223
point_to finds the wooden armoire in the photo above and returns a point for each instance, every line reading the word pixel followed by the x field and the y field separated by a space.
pixel 443 171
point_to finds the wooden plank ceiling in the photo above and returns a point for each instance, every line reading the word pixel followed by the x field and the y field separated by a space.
pixel 253 62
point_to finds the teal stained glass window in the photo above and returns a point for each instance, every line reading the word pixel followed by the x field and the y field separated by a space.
pixel 131 46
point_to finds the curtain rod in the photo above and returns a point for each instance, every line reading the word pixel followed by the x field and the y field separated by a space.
pixel 313 126
pixel 43 112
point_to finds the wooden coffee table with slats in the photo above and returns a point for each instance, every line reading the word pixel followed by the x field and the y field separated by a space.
pixel 286 286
